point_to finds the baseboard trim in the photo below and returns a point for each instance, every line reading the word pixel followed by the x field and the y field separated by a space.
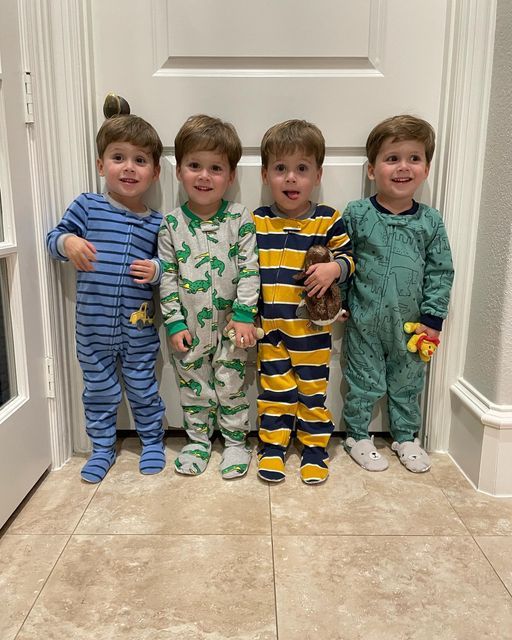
pixel 496 416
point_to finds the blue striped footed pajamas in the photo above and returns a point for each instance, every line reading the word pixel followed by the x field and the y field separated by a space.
pixel 114 324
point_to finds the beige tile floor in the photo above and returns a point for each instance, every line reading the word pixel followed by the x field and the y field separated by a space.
pixel 366 556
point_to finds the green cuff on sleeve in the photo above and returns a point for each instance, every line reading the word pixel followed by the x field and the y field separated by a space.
pixel 175 327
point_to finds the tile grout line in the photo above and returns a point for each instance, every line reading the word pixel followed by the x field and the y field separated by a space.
pixel 273 558
pixel 70 535
pixel 44 583
pixel 491 565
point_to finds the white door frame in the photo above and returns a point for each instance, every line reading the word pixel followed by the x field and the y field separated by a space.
pixel 64 130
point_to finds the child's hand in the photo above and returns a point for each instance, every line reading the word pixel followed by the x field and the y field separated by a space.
pixel 431 333
pixel 142 271
pixel 181 341
pixel 245 333
pixel 320 277
pixel 80 252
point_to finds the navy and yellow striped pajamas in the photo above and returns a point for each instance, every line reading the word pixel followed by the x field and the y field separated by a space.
pixel 293 357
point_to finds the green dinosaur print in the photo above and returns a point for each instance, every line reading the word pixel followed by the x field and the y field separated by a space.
pixel 239 436
pixel 231 411
pixel 221 303
pixel 245 273
pixel 248 227
pixel 238 306
pixel 202 427
pixel 196 286
pixel 194 224
pixel 214 262
pixel 192 409
pixel 172 221
pixel 240 394
pixel 172 297
pixel 197 364
pixel 234 250
pixel 195 342
pixel 218 264
pixel 203 259
pixel 183 254
pixel 204 314
pixel 221 216
pixel 193 385
pixel 218 383
pixel 169 267
pixel 237 365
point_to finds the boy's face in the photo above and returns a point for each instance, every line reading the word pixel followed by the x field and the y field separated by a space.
pixel 206 176
pixel 400 169
pixel 129 171
pixel 292 178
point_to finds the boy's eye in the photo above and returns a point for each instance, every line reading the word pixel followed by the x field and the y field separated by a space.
pixel 302 168
pixel 280 168
pixel 216 168
pixel 193 165
pixel 141 160
pixel 415 158
pixel 391 158
pixel 117 157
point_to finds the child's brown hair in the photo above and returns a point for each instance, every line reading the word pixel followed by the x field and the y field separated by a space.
pixel 290 136
pixel 400 128
pixel 206 133
pixel 132 129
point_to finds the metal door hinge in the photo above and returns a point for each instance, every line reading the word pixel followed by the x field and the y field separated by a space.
pixel 50 378
pixel 29 102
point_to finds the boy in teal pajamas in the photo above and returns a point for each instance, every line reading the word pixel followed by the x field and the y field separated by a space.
pixel 210 285
pixel 404 273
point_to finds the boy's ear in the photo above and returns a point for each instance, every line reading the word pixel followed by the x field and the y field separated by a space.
pixel 319 175
pixel 232 176
pixel 156 173
pixel 178 173
pixel 371 171
pixel 99 166
pixel 264 175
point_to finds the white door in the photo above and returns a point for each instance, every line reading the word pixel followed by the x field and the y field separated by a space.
pixel 24 424
pixel 341 64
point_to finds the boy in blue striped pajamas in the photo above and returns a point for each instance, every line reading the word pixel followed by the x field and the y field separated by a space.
pixel 111 240
pixel 293 357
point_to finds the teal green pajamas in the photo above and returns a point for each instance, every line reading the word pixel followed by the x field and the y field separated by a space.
pixel 403 273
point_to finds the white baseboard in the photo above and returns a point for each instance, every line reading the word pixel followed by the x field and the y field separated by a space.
pixel 483 447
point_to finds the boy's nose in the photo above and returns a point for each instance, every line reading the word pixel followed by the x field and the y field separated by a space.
pixel 290 176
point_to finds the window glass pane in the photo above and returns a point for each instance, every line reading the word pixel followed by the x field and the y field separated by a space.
pixel 8 388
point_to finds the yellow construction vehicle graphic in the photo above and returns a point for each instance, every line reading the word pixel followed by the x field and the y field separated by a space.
pixel 143 316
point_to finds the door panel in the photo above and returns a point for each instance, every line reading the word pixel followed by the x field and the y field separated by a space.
pixel 341 64
pixel 24 423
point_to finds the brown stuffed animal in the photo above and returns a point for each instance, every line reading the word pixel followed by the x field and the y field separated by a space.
pixel 325 310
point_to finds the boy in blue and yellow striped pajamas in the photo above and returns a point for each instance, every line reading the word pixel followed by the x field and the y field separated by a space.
pixel 293 357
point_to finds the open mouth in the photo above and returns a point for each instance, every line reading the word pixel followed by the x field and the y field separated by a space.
pixel 129 180
pixel 402 180
pixel 292 195
pixel 203 189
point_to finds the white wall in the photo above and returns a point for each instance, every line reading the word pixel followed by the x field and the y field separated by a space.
pixel 481 426
pixel 488 365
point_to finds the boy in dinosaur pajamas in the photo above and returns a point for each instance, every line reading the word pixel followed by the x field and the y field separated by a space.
pixel 111 240
pixel 294 355
pixel 404 273
pixel 210 285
